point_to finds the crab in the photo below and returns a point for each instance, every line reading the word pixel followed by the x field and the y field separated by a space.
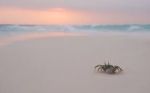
pixel 108 68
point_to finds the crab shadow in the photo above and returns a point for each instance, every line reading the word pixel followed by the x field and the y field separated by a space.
pixel 105 73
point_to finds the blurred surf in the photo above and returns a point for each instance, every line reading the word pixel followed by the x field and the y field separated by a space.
pixel 10 29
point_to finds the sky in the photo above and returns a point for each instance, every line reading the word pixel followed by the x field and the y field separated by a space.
pixel 74 11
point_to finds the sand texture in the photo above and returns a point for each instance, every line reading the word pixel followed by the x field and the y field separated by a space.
pixel 66 65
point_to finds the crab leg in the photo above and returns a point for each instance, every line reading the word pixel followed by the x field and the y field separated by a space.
pixel 100 69
pixel 97 66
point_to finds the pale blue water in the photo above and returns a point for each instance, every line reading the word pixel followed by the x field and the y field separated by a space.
pixel 9 29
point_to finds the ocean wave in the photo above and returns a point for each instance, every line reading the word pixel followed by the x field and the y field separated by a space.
pixel 13 29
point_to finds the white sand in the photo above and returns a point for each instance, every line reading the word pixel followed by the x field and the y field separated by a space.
pixel 66 65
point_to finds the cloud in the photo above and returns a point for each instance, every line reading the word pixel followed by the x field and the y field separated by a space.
pixel 89 5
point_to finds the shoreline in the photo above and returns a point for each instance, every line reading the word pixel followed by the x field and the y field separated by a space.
pixel 10 39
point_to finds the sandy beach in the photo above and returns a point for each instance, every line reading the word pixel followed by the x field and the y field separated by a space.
pixel 65 64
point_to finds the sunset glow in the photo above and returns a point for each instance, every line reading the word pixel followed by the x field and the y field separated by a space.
pixel 74 12
pixel 50 16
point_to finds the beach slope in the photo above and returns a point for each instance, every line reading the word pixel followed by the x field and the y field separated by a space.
pixel 66 65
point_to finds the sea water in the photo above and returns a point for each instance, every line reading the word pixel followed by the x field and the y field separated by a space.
pixel 11 29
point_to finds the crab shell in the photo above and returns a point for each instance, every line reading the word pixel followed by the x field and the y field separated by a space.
pixel 110 70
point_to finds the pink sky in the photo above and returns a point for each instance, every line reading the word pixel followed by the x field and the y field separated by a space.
pixel 74 11
pixel 49 16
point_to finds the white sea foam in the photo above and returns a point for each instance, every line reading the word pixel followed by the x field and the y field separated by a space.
pixel 23 29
